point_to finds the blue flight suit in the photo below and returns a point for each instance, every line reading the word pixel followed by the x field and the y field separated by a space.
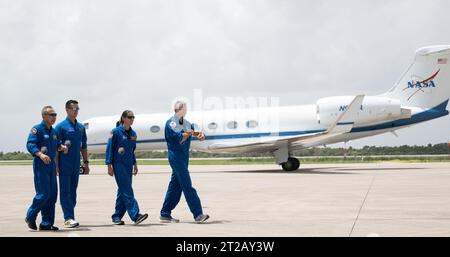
pixel 178 154
pixel 44 140
pixel 120 153
pixel 72 135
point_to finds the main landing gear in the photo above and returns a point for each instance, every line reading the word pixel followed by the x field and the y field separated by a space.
pixel 291 164
pixel 284 158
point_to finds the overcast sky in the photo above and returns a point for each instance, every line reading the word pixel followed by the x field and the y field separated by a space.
pixel 139 55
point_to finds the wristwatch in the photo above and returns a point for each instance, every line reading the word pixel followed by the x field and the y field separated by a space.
pixel 85 162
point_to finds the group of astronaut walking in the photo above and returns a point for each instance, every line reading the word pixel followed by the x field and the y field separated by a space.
pixel 57 153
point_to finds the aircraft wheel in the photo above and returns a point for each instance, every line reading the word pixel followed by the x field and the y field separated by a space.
pixel 291 164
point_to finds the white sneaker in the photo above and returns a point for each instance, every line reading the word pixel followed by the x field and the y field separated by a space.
pixel 71 224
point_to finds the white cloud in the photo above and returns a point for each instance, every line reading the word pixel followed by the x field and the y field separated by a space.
pixel 112 55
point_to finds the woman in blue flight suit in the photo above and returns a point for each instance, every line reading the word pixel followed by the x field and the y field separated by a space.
pixel 120 159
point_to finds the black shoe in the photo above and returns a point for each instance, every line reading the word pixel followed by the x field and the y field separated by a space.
pixel 48 228
pixel 201 218
pixel 31 224
pixel 141 218
pixel 118 222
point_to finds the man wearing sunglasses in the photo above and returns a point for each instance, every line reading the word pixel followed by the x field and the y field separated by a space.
pixel 72 139
pixel 42 143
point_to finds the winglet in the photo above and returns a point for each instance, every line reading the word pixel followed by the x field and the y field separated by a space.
pixel 346 120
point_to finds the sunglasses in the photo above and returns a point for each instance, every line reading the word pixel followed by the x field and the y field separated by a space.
pixel 130 117
pixel 52 114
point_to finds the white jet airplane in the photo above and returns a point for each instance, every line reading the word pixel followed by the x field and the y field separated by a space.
pixel 421 94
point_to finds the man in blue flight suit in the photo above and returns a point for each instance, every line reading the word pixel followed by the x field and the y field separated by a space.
pixel 178 133
pixel 42 143
pixel 72 138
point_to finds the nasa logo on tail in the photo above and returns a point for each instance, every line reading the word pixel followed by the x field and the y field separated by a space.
pixel 420 85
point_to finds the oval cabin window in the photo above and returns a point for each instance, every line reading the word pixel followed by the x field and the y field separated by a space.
pixel 155 129
pixel 252 124
pixel 232 125
pixel 212 125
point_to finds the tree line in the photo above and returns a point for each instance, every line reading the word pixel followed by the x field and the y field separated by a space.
pixel 429 149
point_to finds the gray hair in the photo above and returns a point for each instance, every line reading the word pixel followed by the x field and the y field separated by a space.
pixel 178 106
pixel 45 109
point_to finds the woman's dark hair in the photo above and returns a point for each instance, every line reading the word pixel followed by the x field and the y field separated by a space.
pixel 122 117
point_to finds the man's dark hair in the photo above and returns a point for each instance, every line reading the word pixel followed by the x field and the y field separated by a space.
pixel 68 103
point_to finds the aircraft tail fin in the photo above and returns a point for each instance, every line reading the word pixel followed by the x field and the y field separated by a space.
pixel 426 83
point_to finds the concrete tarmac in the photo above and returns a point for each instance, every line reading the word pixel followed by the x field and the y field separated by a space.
pixel 380 199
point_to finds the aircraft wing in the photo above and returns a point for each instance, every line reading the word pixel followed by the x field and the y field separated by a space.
pixel 261 145
pixel 343 124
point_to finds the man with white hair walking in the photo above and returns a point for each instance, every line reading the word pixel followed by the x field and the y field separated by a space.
pixel 42 144
pixel 178 133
